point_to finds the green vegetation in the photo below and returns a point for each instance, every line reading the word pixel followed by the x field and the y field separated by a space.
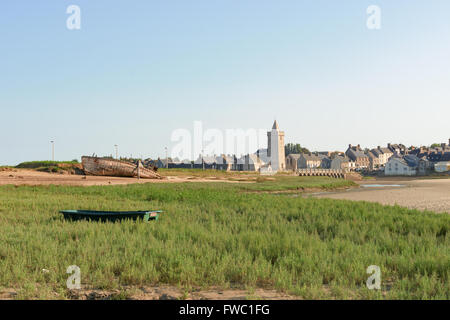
pixel 41 164
pixel 49 166
pixel 294 183
pixel 279 182
pixel 218 234
pixel 294 148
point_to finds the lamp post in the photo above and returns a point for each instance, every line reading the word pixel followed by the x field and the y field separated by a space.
pixel 53 150
pixel 167 159
pixel 203 162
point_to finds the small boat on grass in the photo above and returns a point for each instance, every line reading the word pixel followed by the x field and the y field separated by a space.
pixel 110 215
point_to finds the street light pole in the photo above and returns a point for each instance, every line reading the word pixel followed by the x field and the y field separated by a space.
pixel 203 162
pixel 167 160
pixel 53 150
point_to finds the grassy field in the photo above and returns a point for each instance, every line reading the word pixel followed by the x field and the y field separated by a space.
pixel 255 182
pixel 41 164
pixel 48 166
pixel 222 234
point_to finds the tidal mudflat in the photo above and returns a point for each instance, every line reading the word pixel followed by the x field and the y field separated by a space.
pixel 422 194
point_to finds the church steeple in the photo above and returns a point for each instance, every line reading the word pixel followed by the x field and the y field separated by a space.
pixel 275 148
pixel 275 125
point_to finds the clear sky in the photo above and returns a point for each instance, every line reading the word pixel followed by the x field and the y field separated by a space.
pixel 137 70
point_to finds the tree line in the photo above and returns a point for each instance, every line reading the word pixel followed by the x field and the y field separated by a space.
pixel 294 148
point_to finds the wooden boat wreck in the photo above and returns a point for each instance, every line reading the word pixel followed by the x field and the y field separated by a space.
pixel 116 168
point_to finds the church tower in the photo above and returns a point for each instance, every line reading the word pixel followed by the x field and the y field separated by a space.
pixel 275 148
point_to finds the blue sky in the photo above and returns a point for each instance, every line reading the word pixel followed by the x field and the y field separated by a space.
pixel 137 70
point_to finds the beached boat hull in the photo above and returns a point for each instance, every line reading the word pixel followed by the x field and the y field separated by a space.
pixel 116 168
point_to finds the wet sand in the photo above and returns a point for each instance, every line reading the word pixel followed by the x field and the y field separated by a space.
pixel 414 193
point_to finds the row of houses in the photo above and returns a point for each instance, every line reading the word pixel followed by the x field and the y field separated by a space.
pixel 394 159
pixel 353 159
pixel 411 165
pixel 249 162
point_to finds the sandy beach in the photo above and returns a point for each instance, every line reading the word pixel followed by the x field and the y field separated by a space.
pixel 413 193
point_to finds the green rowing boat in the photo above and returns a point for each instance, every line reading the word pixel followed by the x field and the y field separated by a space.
pixel 110 215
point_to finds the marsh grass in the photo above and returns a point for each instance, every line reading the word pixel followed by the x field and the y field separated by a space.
pixel 43 164
pixel 284 183
pixel 216 234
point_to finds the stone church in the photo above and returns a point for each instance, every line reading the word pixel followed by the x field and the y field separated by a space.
pixel 268 160
pixel 275 148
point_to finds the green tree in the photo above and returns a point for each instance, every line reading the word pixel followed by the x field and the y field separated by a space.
pixel 294 148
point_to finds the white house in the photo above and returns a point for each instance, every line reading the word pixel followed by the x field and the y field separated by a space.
pixel 249 162
pixel 266 170
pixel 399 167
pixel 442 166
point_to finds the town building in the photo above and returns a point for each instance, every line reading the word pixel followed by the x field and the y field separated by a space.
pixel 342 163
pixel 374 159
pixel 275 148
pixel 398 166
pixel 308 161
pixel 442 166
pixel 225 162
pixel 383 155
pixel 356 154
pixel 397 149
pixel 292 161
pixel 249 162
pixel 325 161
pixel 205 162
pixel 439 156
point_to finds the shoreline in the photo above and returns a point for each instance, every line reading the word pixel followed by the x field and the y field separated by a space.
pixel 421 194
